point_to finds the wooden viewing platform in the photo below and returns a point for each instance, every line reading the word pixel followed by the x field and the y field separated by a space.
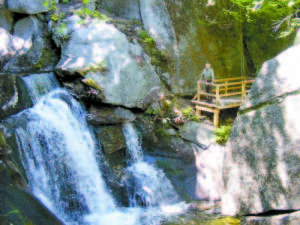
pixel 226 93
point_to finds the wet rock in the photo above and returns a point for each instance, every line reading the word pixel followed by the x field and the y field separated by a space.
pixel 13 95
pixel 100 116
pixel 261 169
pixel 111 138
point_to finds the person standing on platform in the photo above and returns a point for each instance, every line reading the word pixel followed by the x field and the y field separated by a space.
pixel 208 76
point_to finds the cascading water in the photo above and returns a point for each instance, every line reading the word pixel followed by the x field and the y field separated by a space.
pixel 39 85
pixel 58 153
pixel 146 185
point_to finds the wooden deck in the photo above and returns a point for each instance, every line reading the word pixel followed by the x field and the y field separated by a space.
pixel 226 93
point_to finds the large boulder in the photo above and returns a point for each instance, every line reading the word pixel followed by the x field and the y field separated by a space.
pixel 109 63
pixel 30 6
pixel 33 49
pixel 261 164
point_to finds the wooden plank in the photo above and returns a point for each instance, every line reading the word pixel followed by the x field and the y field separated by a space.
pixel 232 94
pixel 230 79
pixel 206 109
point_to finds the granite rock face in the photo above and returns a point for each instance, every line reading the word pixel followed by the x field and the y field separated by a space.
pixel 109 63
pixel 261 164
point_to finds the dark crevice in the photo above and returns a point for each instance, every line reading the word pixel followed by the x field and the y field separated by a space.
pixel 249 61
pixel 16 18
pixel 272 101
pixel 274 212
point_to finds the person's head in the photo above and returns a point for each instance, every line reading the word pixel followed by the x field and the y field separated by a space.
pixel 207 65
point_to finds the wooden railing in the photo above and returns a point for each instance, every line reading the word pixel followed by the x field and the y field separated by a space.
pixel 222 88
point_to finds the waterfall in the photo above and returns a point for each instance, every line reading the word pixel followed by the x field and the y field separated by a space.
pixel 58 154
pixel 133 143
pixel 40 84
pixel 146 185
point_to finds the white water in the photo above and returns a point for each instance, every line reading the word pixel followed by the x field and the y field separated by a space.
pixel 58 153
pixel 146 184
pixel 39 85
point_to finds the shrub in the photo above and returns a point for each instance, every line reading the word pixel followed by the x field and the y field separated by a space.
pixel 222 134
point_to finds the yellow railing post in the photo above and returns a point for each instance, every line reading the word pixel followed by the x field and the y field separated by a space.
pixel 226 87
pixel 243 91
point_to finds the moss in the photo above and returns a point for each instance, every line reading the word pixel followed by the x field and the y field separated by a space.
pixel 3 143
pixel 159 58
pixel 92 83
pixel 99 67
pixel 45 59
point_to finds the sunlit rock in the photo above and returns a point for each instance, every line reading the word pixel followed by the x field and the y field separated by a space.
pixel 30 6
pixel 261 164
pixel 32 48
pixel 108 62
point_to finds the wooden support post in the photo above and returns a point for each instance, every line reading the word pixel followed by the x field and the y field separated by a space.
pixel 243 91
pixel 226 87
pixel 218 99
pixel 198 94
pixel 216 117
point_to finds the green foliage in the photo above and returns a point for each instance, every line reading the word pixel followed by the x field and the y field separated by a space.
pixel 189 114
pixel 222 134
pixel 86 13
pixel 85 1
pixel 154 112
pixel 65 1
pixel 277 15
pixel 58 16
